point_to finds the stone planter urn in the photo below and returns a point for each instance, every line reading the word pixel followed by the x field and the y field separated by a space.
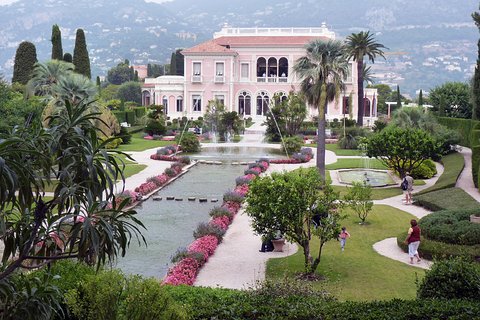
pixel 474 219
pixel 278 245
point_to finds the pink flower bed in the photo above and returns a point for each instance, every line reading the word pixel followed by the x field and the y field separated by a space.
pixel 148 137
pixel 146 188
pixel 285 161
pixel 222 222
pixel 159 180
pixel 183 272
pixel 265 164
pixel 164 157
pixel 242 189
pixel 231 206
pixel 205 245
pixel 257 169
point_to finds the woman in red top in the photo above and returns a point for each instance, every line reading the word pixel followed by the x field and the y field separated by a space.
pixel 413 240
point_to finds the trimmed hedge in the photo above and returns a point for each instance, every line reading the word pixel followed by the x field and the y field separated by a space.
pixel 120 115
pixel 445 199
pixel 130 117
pixel 451 226
pixel 463 126
pixel 453 164
pixel 430 249
pixel 139 112
pixel 225 304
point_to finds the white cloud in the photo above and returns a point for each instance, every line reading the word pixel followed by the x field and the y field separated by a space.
pixel 7 2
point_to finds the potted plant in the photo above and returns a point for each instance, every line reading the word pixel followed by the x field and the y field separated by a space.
pixel 278 242
pixel 475 218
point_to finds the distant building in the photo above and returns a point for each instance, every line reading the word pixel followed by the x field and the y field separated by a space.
pixel 244 68
pixel 141 70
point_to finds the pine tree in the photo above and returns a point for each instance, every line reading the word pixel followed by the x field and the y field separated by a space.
pixel 67 57
pixel 173 64
pixel 25 59
pixel 57 51
pixel 80 55
pixel 476 76
pixel 420 98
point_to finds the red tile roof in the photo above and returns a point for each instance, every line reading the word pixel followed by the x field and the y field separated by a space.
pixel 209 47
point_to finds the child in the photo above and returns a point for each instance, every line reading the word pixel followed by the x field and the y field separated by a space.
pixel 343 237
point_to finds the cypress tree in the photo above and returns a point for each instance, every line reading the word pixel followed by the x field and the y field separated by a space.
pixel 179 61
pixel 173 64
pixel 67 57
pixel 99 85
pixel 420 98
pixel 476 76
pixel 399 98
pixel 149 70
pixel 57 51
pixel 25 59
pixel 135 78
pixel 80 55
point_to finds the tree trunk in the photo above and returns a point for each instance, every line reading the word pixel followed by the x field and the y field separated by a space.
pixel 306 253
pixel 316 262
pixel 360 92
pixel 321 136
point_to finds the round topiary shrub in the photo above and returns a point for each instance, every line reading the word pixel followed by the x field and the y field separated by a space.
pixel 189 142
pixel 425 171
pixel 292 144
pixel 451 279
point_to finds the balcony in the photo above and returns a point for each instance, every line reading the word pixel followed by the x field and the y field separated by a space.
pixel 196 78
pixel 219 79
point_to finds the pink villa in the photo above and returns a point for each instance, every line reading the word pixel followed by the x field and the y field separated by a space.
pixel 244 68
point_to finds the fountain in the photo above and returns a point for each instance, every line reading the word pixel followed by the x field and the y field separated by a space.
pixel 372 177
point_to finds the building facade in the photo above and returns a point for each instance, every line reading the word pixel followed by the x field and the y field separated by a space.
pixel 244 68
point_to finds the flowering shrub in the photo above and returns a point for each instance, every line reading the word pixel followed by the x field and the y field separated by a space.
pixel 220 212
pixel 182 253
pixel 170 172
pixel 185 160
pixel 159 180
pixel 177 167
pixel 232 196
pixel 242 180
pixel 163 157
pixel 241 189
pixel 221 222
pixel 284 161
pixel 231 206
pixel 148 137
pixel 127 194
pixel 146 188
pixel 183 272
pixel 205 245
pixel 205 229
pixel 307 151
pixel 265 164
pixel 255 170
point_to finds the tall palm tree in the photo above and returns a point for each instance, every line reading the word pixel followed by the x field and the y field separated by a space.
pixel 322 72
pixel 46 75
pixel 360 45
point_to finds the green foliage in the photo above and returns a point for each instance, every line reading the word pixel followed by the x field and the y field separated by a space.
pixel 130 117
pixel 25 59
pixel 383 94
pixel 125 135
pixel 57 51
pixel 289 202
pixel 352 137
pixel 451 279
pixel 208 303
pixel 453 165
pixel 130 91
pixel 292 145
pixel 451 226
pixel 358 198
pixel 189 142
pixel 120 74
pixel 456 99
pixel 445 199
pixel 475 162
pixel 425 171
pixel 463 127
pixel 139 112
pixel 286 115
pixel 155 127
pixel 379 125
pixel 80 55
pixel 402 149
pixel 67 57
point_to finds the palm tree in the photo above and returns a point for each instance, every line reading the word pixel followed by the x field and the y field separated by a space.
pixel 360 45
pixel 322 72
pixel 46 75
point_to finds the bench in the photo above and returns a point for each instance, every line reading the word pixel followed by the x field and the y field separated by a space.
pixel 125 124
pixel 195 130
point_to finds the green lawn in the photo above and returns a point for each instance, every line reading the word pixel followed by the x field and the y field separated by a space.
pixel 377 193
pixel 359 273
pixel 338 151
pixel 355 163
pixel 140 144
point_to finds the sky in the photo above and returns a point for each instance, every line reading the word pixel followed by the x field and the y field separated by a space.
pixel 7 2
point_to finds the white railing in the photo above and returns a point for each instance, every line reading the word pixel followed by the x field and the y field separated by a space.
pixel 197 78
pixel 219 79
pixel 318 31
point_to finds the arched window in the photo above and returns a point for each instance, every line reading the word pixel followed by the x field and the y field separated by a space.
pixel 165 104
pixel 179 104
pixel 283 70
pixel 245 104
pixel 262 103
pixel 146 98
pixel 366 109
pixel 272 70
pixel 261 69
pixel 280 96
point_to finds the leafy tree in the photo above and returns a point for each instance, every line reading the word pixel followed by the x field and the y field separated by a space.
pixel 80 55
pixel 360 45
pixel 67 57
pixel 57 51
pixel 321 72
pixel 286 115
pixel 402 149
pixel 25 59
pixel 46 75
pixel 290 202
pixel 120 74
pixel 454 97
pixel 213 115
pixel 358 198
pixel 130 91
pixel 188 141
pixel 230 124
pixel 476 75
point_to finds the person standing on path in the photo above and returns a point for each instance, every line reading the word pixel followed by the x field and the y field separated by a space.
pixel 343 238
pixel 408 192
pixel 413 241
